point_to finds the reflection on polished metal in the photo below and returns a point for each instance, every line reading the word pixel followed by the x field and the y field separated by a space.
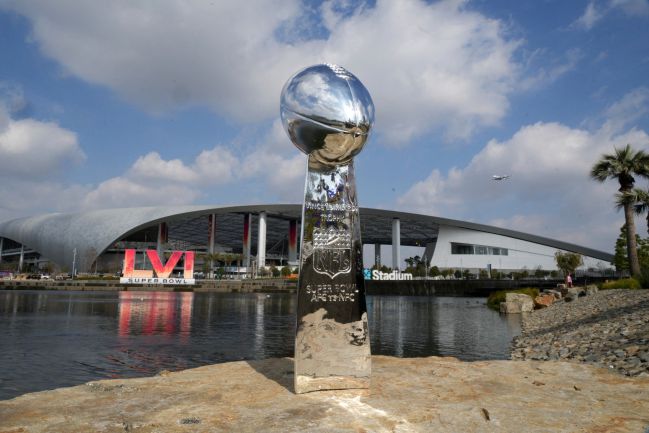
pixel 328 115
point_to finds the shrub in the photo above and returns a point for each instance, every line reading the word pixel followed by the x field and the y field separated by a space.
pixel 644 277
pixel 624 283
pixel 495 298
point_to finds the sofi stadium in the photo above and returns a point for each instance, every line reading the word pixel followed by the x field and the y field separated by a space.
pixel 261 236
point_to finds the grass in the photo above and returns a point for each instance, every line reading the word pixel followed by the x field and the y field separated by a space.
pixel 624 283
pixel 495 298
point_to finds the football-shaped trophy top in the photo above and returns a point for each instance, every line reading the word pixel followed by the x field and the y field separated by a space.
pixel 327 113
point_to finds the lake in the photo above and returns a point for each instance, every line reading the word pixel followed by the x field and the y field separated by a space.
pixel 50 339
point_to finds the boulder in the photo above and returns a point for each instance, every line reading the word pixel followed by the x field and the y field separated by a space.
pixel 572 293
pixel 591 289
pixel 556 293
pixel 544 300
pixel 516 303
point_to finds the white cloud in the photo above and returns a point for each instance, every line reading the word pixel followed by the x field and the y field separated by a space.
pixel 430 67
pixel 594 14
pixel 12 98
pixel 152 167
pixel 213 166
pixel 36 149
pixel 550 192
pixel 33 155
pixel 590 17
pixel 625 112
pixel 216 166
pixel 279 166
pixel 152 180
pixel 124 192
pixel 20 197
pixel 632 7
pixel 547 71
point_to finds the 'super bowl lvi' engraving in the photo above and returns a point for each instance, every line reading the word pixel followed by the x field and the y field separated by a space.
pixel 332 251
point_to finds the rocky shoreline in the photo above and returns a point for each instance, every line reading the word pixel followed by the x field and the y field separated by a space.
pixel 406 395
pixel 608 329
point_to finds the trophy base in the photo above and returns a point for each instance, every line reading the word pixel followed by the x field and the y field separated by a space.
pixel 304 384
pixel 331 355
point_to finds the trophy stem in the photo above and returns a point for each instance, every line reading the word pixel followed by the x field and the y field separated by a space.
pixel 332 346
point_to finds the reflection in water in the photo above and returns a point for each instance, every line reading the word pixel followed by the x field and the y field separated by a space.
pixel 147 313
pixel 67 338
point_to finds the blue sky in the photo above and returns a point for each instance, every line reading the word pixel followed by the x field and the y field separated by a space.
pixel 116 104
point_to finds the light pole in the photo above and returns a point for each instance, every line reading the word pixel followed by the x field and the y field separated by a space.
pixel 74 262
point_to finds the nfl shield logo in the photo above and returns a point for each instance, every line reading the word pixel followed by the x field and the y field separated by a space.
pixel 332 251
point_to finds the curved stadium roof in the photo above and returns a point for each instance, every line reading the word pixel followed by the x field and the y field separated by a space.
pixel 55 236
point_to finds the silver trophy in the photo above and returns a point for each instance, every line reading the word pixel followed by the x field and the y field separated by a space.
pixel 328 114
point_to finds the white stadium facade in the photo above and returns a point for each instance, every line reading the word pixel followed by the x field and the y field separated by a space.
pixel 267 235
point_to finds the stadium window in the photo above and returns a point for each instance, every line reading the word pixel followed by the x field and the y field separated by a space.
pixel 461 248
pixel 477 249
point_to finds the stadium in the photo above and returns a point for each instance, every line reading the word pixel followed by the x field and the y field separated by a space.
pixel 256 237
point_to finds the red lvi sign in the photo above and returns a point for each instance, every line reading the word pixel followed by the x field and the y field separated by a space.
pixel 162 272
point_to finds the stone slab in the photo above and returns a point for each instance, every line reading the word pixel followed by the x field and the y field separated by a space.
pixel 406 395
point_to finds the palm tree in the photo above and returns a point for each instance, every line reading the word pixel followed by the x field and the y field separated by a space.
pixel 639 199
pixel 622 165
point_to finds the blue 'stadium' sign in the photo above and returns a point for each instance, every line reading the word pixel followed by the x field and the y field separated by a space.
pixel 375 274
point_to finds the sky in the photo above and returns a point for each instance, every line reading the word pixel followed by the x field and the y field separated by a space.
pixel 147 103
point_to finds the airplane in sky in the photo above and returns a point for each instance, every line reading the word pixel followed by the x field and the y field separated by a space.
pixel 500 176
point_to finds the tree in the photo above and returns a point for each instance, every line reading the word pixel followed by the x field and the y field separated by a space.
pixel 568 262
pixel 621 260
pixel 416 266
pixel 622 165
pixel 639 198
pixel 286 271
pixel 642 203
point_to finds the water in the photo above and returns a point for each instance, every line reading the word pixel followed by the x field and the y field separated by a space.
pixel 54 339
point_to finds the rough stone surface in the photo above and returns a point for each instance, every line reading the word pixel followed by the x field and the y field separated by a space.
pixel 572 293
pixel 609 328
pixel 556 293
pixel 406 395
pixel 543 300
pixel 516 303
pixel 591 289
